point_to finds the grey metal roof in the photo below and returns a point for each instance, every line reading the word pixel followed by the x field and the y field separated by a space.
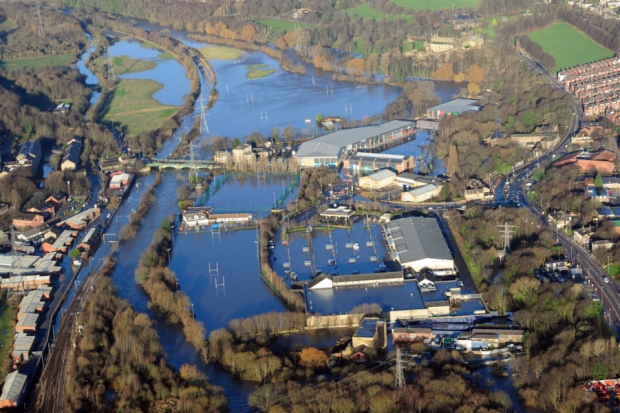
pixel 459 105
pixel 417 238
pixel 423 189
pixel 382 174
pixel 331 144
pixel 13 386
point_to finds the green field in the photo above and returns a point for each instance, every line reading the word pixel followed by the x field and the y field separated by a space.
pixel 365 11
pixel 39 61
pixel 435 4
pixel 569 46
pixel 132 104
pixel 220 53
pixel 282 24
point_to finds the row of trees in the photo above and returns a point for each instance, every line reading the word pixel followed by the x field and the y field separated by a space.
pixel 118 364
pixel 162 286
pixel 442 387
pixel 130 230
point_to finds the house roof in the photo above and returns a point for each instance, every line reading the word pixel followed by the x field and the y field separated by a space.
pixel 331 144
pixel 13 386
pixel 73 151
pixel 603 155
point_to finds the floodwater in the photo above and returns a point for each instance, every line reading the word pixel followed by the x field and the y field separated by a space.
pixel 90 78
pixel 170 73
pixel 343 251
pixel 244 106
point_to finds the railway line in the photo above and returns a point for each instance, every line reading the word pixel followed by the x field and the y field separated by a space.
pixel 49 395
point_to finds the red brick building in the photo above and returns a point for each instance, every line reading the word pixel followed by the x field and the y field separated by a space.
pixel 27 220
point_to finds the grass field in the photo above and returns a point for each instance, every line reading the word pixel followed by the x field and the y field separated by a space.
pixel 132 104
pixel 282 24
pixel 39 61
pixel 220 53
pixel 366 12
pixel 435 4
pixel 569 46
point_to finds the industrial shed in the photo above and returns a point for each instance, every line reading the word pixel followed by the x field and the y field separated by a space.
pixel 418 243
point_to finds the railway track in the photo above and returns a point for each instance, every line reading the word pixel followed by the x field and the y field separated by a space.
pixel 50 393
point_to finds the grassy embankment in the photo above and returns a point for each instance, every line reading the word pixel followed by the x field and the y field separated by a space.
pixel 258 71
pixel 220 53
pixel 8 313
pixel 613 269
pixel 568 45
pixel 38 61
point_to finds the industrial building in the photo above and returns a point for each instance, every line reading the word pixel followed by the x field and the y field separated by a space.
pixel 421 193
pixel 364 163
pixel 418 243
pixel 377 180
pixel 328 150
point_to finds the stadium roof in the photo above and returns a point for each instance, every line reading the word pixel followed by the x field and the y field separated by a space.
pixel 418 238
pixel 331 144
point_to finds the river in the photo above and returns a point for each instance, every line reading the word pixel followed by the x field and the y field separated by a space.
pixel 244 106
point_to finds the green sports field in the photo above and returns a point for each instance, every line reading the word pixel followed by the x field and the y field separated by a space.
pixel 569 46
pixel 435 4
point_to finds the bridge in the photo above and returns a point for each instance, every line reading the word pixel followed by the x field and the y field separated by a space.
pixel 179 164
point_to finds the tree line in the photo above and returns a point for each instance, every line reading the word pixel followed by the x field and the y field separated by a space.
pixel 118 362
pixel 567 340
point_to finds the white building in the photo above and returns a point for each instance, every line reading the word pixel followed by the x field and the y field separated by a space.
pixel 418 243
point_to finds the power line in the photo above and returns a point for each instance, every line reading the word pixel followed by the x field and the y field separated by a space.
pixel 400 375
pixel 506 230
pixel 40 29
pixel 312 391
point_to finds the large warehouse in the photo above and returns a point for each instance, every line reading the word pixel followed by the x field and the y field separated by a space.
pixel 418 243
pixel 327 150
